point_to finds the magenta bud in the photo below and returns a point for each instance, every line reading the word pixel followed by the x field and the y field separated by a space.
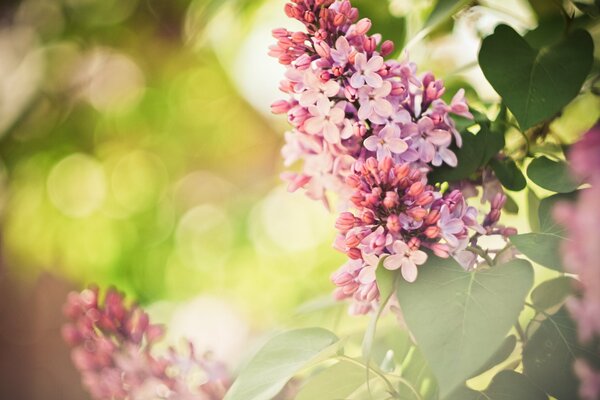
pixel 387 48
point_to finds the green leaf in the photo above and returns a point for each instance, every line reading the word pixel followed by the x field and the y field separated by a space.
pixel 535 84
pixel 508 174
pixel 511 205
pixel 336 382
pixel 514 386
pixel 549 354
pixel 460 318
pixel 551 175
pixel 278 360
pixel 476 151
pixel 547 223
pixel 533 204
pixel 386 283
pixel 505 350
pixel 591 8
pixel 443 10
pixel 541 248
pixel 552 293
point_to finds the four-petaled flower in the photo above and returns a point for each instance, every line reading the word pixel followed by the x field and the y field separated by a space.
pixel 366 71
pixel 386 142
pixel 405 259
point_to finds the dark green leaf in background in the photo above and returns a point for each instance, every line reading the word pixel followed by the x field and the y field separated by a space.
pixel 460 318
pixel 541 248
pixel 535 84
pixel 549 355
pixel 476 151
pixel 509 175
pixel 551 175
pixel 552 293
pixel 503 352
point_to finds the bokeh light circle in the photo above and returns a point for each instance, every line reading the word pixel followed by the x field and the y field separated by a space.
pixel 77 185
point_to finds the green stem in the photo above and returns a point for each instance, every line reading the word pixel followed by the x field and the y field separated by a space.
pixel 522 335
pixel 480 252
pixel 379 374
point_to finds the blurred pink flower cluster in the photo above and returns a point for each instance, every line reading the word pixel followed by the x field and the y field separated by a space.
pixel 112 347
pixel 348 103
pixel 581 251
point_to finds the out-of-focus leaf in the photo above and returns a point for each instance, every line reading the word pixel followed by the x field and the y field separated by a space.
pixel 511 205
pixel 535 83
pixel 336 382
pixel 542 248
pixel 409 360
pixel 476 151
pixel 533 204
pixel 386 283
pixel 552 293
pixel 506 385
pixel 514 386
pixel 278 360
pixel 551 175
pixel 460 318
pixel 443 10
pixel 549 355
pixel 390 27
pixel 591 8
pixel 509 174
pixel 500 355
pixel 546 219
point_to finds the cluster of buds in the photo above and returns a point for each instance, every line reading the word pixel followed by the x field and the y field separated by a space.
pixel 112 347
pixel 395 215
pixel 348 103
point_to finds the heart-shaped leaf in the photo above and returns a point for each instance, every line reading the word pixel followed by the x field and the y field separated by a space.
pixel 535 84
pixel 278 360
pixel 460 318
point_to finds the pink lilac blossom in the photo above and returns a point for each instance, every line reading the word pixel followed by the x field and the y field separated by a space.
pixel 112 346
pixel 395 215
pixel 349 102
pixel 581 253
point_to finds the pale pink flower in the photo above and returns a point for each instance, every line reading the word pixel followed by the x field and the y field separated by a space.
pixel 317 90
pixel 406 259
pixel 366 71
pixel 325 120
pixel 385 143
pixel 367 274
pixel 342 51
pixel 450 227
pixel 374 103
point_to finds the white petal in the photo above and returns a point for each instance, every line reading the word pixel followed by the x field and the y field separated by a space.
pixel 418 257
pixel 409 271
pixel 393 262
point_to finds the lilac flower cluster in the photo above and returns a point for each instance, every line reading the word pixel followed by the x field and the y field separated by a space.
pixel 369 130
pixel 348 103
pixel 396 215
pixel 581 253
pixel 112 346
